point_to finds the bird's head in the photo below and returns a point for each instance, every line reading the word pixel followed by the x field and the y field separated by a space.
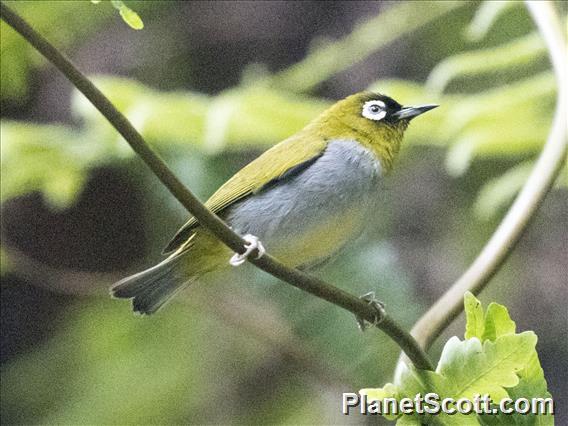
pixel 375 120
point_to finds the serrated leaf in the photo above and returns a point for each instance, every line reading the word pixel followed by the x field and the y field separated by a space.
pixel 473 368
pixel 532 384
pixel 497 322
pixel 467 368
pixel 475 318
pixel 493 361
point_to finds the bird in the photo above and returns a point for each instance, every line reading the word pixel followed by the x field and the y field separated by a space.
pixel 301 200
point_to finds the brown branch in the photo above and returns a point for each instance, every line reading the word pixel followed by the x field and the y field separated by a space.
pixel 205 217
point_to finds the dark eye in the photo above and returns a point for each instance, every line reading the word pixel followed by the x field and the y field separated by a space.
pixel 374 108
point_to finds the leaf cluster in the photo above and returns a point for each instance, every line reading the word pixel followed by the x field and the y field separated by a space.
pixel 493 359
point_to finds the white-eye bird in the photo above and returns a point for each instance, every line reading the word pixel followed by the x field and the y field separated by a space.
pixel 304 198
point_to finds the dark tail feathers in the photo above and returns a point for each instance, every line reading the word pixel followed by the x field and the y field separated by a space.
pixel 152 288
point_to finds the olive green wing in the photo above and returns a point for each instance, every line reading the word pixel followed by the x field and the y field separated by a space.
pixel 283 160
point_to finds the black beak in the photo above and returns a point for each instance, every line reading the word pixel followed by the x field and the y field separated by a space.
pixel 408 113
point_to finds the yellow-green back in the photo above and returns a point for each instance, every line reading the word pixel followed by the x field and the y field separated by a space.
pixel 343 120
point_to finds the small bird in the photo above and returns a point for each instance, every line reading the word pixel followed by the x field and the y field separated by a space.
pixel 303 199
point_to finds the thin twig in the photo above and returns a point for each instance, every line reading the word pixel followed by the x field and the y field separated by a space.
pixel 205 217
pixel 541 179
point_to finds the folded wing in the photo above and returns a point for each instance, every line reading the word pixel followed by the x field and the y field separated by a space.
pixel 281 161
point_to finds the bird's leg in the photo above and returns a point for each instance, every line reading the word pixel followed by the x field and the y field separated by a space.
pixel 252 244
pixel 379 308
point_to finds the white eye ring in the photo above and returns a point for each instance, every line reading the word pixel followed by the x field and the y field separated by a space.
pixel 374 110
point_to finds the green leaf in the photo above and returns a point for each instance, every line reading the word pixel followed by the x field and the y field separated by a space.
pixel 131 18
pixel 523 138
pixel 532 384
pixel 468 368
pixel 56 159
pixel 412 382
pixel 379 394
pixel 388 391
pixel 128 15
pixel 475 368
pixel 408 421
pixel 475 319
pixel 497 322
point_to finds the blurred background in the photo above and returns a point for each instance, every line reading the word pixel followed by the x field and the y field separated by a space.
pixel 211 85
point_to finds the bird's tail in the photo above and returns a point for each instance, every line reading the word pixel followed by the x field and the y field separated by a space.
pixel 152 288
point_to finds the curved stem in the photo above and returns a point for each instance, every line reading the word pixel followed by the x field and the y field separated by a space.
pixel 205 217
pixel 541 179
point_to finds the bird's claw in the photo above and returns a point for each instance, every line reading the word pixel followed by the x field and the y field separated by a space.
pixel 252 244
pixel 379 308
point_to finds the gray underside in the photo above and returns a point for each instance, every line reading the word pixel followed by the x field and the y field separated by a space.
pixel 329 201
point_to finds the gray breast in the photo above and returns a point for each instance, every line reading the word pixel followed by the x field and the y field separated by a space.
pixel 341 183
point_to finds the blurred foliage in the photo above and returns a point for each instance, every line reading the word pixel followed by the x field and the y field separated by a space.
pixel 54 157
pixel 18 58
pixel 107 366
pixel 59 24
pixel 492 360
pixel 487 119
pixel 329 58
pixel 102 365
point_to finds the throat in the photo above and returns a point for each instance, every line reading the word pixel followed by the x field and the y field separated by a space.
pixel 383 143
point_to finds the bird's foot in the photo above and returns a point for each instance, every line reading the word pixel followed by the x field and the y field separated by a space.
pixel 379 308
pixel 252 244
